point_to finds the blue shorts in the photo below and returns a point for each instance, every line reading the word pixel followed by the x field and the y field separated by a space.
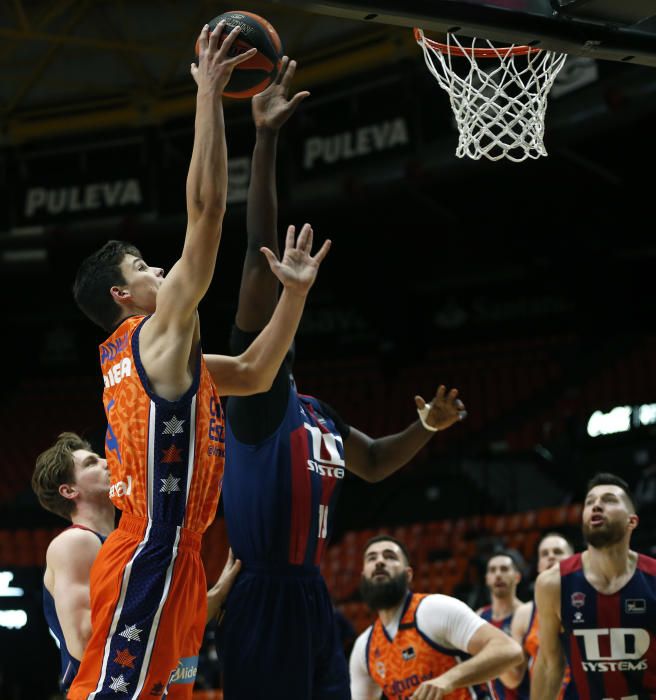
pixel 279 639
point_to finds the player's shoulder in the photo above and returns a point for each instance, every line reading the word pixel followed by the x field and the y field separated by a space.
pixel 646 564
pixel 440 606
pixel 444 601
pixel 549 581
pixel 71 543
pixel 522 617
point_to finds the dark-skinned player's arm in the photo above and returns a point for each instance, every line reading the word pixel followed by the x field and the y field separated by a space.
pixel 254 370
pixel 549 666
pixel 259 288
pixel 374 459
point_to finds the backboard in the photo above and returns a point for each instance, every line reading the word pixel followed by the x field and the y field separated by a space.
pixel 611 30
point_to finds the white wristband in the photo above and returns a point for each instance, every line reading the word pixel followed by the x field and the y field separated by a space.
pixel 423 414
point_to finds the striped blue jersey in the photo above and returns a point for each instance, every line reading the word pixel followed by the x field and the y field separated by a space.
pixel 279 495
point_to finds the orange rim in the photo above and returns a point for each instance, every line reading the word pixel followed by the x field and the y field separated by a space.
pixel 449 49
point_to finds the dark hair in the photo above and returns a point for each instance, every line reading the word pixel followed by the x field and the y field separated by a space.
pixel 553 533
pixel 607 479
pixel 54 467
pixel 95 277
pixel 388 538
pixel 518 565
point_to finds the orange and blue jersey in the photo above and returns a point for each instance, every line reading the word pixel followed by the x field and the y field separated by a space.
pixel 522 691
pixel 609 640
pixel 531 644
pixel 148 587
pixel 165 457
pixel 279 496
pixel 400 665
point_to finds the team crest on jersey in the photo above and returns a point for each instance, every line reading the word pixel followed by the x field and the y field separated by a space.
pixel 578 599
pixel 635 606
pixel 408 654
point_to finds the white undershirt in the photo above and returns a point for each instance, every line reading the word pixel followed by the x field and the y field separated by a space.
pixel 446 621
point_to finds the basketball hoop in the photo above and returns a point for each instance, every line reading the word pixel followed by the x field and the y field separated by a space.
pixel 499 112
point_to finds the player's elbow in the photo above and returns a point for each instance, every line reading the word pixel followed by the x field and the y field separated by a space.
pixel 254 380
pixel 509 652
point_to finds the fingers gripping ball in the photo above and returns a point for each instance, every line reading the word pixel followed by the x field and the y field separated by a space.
pixel 256 74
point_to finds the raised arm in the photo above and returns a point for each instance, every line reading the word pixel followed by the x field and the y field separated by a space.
pixel 69 558
pixel 207 182
pixel 512 677
pixel 253 371
pixel 169 338
pixel 550 664
pixel 259 288
pixel 374 459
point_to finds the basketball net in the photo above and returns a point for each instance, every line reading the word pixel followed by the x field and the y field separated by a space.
pixel 499 110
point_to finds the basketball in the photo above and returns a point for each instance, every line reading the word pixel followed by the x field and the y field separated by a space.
pixel 256 74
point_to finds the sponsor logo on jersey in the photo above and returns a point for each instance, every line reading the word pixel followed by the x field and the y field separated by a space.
pixel 578 618
pixel 578 600
pixel 408 654
pixel 380 669
pixel 325 470
pixel 121 488
pixel 627 646
pixel 635 606
pixel 396 687
pixel 185 672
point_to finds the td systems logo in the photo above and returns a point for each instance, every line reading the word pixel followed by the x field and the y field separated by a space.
pixel 627 647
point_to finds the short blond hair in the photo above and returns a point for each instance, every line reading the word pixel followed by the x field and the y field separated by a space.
pixel 54 467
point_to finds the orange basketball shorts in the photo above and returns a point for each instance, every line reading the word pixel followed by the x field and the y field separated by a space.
pixel 148 612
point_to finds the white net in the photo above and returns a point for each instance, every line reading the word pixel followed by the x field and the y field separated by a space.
pixel 499 105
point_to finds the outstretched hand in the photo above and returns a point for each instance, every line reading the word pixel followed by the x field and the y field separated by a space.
pixel 444 410
pixel 273 107
pixel 215 66
pixel 297 270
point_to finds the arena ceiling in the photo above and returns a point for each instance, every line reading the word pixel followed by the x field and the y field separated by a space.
pixel 68 66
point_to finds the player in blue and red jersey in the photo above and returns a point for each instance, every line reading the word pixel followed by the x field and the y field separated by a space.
pixel 599 608
pixel 286 455
pixel 502 576
pixel 72 481
pixel 552 548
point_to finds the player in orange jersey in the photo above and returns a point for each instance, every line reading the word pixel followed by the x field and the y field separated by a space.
pixel 165 436
pixel 552 548
pixel 418 645
pixel 72 481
